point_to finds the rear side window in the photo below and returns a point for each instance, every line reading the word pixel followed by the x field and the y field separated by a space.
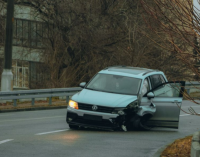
pixel 162 79
pixel 155 80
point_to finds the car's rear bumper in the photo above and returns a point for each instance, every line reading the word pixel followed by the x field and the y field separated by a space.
pixel 77 117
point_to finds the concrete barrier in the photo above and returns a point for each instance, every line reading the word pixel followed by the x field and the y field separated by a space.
pixel 195 145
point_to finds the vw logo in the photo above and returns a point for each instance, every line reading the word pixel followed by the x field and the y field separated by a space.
pixel 94 107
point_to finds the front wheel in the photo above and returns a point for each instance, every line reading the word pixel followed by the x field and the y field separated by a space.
pixel 139 123
pixel 74 127
pixel 143 122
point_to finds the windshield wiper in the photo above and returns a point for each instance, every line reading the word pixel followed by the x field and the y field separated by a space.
pixel 95 89
pixel 90 88
pixel 107 91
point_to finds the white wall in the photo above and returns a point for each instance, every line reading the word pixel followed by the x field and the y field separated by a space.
pixel 25 12
pixel 23 53
pixel 22 12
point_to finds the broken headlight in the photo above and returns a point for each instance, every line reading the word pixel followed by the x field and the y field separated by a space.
pixel 133 105
pixel 119 111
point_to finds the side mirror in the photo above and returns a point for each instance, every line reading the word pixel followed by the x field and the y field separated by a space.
pixel 150 95
pixel 82 84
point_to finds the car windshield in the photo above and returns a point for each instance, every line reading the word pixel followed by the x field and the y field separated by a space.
pixel 115 84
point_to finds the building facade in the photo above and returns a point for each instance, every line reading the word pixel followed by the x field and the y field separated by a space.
pixel 28 35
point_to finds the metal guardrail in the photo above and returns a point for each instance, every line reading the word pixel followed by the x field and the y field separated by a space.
pixel 193 86
pixel 192 83
pixel 49 93
pixel 39 93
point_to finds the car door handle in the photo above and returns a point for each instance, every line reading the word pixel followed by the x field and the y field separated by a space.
pixel 175 101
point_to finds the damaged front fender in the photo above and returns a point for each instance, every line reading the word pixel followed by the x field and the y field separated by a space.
pixel 135 117
pixel 143 115
pixel 151 109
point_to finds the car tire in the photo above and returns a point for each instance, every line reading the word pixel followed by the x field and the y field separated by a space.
pixel 74 127
pixel 144 127
pixel 134 123
pixel 143 121
pixel 139 123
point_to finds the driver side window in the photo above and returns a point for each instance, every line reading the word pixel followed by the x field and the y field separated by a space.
pixel 145 86
pixel 168 90
pixel 155 80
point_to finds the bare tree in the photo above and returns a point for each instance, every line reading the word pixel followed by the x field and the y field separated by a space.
pixel 178 22
pixel 142 51
pixel 82 37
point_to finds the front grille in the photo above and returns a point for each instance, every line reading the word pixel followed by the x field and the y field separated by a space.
pixel 88 107
pixel 90 121
pixel 103 123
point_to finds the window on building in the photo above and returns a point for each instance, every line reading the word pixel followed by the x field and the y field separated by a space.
pixel 28 33
pixel 20 71
pixel 25 33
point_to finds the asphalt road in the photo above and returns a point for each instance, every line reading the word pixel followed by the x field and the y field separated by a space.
pixel 45 133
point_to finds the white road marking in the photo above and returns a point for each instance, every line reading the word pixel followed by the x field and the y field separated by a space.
pixel 190 106
pixel 31 119
pixel 6 115
pixel 4 141
pixel 51 132
pixel 185 115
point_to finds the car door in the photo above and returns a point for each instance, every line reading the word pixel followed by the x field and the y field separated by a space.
pixel 167 100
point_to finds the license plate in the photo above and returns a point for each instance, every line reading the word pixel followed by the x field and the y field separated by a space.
pixel 92 117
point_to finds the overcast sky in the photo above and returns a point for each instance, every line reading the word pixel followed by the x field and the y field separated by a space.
pixel 196 3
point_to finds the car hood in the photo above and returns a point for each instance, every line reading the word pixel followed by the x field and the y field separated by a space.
pixel 103 98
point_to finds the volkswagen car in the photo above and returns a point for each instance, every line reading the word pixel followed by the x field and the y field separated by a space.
pixel 122 97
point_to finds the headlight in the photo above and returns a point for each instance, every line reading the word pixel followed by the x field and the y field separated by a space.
pixel 133 104
pixel 119 111
pixel 73 104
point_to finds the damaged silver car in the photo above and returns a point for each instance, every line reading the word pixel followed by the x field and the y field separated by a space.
pixel 126 98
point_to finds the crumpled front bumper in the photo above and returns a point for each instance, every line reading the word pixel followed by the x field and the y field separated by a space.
pixel 90 119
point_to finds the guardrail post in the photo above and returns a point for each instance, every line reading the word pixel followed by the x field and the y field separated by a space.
pixel 14 96
pixel 50 101
pixel 15 102
pixel 33 101
pixel 67 99
pixel 195 145
pixel 188 91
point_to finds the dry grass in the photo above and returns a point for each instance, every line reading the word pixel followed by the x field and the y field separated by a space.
pixel 179 148
pixel 195 94
pixel 27 104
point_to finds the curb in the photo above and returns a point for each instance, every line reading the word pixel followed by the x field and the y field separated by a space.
pixel 160 150
pixel 195 146
pixel 32 109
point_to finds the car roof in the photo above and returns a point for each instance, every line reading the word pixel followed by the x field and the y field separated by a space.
pixel 136 72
